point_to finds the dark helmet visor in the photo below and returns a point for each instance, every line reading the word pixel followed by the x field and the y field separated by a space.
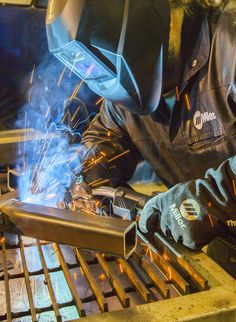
pixel 116 46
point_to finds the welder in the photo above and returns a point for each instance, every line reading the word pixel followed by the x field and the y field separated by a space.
pixel 167 72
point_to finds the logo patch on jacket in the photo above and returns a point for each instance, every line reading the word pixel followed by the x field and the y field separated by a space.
pixel 190 209
pixel 200 118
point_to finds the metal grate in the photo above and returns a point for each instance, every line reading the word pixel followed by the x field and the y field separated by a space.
pixel 41 281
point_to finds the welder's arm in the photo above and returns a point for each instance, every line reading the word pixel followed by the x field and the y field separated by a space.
pixel 197 211
pixel 110 153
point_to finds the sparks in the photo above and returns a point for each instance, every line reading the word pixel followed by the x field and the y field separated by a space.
pixel 187 101
pixel 100 101
pixel 92 163
pixel 95 181
pixel 80 166
pixel 29 97
pixel 49 107
pixel 77 122
pixel 54 186
pixel 150 254
pixel 76 90
pixel 16 264
pixel 32 75
pixel 48 197
pixel 41 174
pixel 165 257
pixel 98 159
pixel 61 76
pixel 147 249
pixel 2 240
pixel 74 115
pixel 118 156
pixel 81 271
pixel 74 156
pixel 211 221
pixel 67 113
pixel 102 277
pixel 234 187
pixel 101 182
pixel 177 93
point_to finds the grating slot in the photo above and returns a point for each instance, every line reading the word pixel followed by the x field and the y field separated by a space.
pixel 174 257
pixel 49 283
pixel 124 300
pixel 6 280
pixel 169 271
pixel 68 278
pixel 27 281
pixel 92 282
pixel 152 271
pixel 135 280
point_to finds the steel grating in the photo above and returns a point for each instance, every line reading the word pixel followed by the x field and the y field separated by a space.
pixel 41 281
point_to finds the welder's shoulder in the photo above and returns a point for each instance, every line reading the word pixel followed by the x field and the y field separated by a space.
pixel 228 17
pixel 223 46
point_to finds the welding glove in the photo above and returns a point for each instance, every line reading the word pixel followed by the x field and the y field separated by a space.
pixel 197 211
pixel 179 214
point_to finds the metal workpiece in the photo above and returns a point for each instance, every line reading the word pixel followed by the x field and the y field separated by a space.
pixel 82 230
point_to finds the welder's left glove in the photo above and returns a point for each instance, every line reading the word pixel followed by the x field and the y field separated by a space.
pixel 179 214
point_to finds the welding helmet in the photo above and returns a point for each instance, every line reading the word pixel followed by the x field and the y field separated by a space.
pixel 118 47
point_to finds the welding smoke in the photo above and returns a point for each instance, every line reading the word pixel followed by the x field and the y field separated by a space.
pixel 43 163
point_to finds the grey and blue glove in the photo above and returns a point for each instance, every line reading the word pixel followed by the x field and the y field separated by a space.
pixel 179 214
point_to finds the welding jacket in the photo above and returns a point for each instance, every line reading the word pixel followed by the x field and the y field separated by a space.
pixel 192 149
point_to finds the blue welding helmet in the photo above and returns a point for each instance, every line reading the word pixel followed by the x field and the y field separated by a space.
pixel 118 47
